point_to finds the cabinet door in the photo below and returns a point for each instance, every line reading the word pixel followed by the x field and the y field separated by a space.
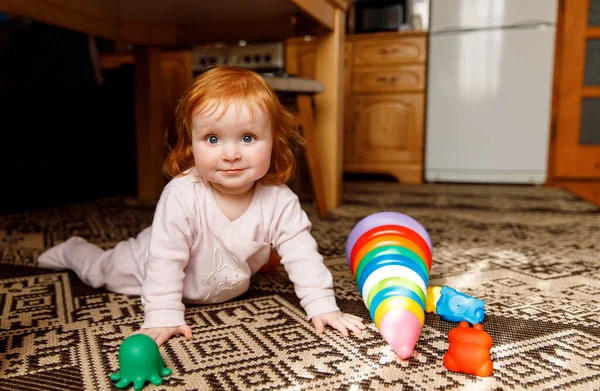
pixel 348 139
pixel 347 69
pixel 387 128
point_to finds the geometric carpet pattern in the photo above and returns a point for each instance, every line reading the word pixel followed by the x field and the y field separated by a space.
pixel 531 253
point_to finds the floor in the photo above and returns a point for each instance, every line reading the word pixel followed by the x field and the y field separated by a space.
pixel 588 190
pixel 530 252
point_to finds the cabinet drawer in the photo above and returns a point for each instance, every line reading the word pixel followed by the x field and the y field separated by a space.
pixel 389 79
pixel 390 51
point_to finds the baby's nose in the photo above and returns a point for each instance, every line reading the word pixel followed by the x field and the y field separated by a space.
pixel 231 152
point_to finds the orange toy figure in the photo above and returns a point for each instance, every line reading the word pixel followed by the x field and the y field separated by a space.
pixel 273 264
pixel 469 350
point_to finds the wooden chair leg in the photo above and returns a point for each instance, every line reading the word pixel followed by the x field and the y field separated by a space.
pixel 306 116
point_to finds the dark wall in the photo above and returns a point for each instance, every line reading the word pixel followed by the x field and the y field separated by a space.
pixel 63 136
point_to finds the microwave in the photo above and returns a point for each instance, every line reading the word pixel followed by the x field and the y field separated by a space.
pixel 372 16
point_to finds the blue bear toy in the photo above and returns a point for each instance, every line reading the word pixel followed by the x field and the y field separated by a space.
pixel 454 306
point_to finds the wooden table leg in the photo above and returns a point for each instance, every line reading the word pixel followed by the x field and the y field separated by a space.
pixel 149 123
pixel 329 108
pixel 306 116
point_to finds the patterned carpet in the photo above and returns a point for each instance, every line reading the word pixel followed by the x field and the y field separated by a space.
pixel 532 254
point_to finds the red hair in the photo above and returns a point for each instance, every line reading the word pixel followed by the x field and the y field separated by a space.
pixel 232 84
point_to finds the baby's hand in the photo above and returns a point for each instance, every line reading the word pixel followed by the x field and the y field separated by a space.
pixel 161 334
pixel 340 321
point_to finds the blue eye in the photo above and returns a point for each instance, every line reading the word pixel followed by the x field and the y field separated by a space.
pixel 247 138
pixel 212 139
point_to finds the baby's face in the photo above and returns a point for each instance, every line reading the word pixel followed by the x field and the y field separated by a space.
pixel 232 146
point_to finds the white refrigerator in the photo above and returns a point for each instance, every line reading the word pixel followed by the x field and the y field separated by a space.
pixel 489 90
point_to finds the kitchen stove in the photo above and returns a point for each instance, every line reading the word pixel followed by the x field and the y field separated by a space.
pixel 262 57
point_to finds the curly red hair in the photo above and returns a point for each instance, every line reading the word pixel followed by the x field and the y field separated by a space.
pixel 227 85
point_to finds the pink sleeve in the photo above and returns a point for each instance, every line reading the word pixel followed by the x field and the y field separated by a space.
pixel 312 280
pixel 168 254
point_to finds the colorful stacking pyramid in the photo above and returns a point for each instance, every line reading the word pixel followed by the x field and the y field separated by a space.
pixel 389 253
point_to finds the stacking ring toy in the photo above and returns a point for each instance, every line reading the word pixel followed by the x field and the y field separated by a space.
pixel 390 256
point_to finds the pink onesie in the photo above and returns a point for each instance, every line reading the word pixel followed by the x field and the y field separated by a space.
pixel 193 253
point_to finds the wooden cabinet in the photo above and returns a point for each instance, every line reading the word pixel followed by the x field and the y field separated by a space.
pixel 384 100
pixel 385 134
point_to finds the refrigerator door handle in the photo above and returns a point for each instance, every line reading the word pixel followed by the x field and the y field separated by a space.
pixel 533 25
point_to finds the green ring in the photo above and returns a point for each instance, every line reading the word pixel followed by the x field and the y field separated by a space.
pixel 394 249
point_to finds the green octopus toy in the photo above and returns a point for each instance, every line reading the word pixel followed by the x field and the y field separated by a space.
pixel 139 362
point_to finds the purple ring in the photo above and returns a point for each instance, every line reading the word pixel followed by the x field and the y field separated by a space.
pixel 384 218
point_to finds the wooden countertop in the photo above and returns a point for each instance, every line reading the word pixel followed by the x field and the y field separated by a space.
pixel 181 22
pixel 363 37
pixel 386 35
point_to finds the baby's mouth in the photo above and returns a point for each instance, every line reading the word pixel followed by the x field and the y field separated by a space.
pixel 233 170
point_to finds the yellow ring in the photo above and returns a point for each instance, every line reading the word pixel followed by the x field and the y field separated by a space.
pixel 399 302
